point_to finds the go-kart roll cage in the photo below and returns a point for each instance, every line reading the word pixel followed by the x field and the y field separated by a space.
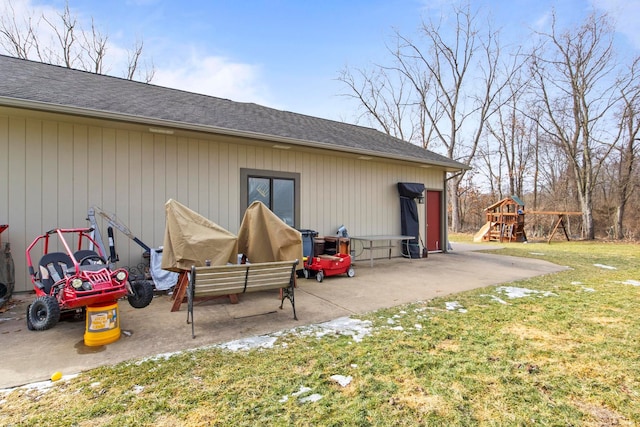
pixel 82 233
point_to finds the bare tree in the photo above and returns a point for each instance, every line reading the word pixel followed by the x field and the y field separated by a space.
pixel 95 48
pixel 573 73
pixel 445 87
pixel 17 38
pixel 64 52
pixel 385 100
pixel 490 163
pixel 628 149
pixel 134 58
pixel 510 134
pixel 70 45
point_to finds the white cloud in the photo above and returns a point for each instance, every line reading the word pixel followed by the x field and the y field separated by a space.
pixel 215 76
pixel 626 14
pixel 20 14
pixel 189 69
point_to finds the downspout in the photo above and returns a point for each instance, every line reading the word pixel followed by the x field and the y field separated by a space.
pixel 443 212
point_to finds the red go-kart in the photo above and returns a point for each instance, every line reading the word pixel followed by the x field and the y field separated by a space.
pixel 71 280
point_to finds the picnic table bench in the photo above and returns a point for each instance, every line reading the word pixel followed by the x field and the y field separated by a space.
pixel 221 280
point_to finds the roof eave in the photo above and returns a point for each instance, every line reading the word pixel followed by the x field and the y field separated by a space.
pixel 150 121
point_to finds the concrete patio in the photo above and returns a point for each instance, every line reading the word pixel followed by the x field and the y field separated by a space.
pixel 30 356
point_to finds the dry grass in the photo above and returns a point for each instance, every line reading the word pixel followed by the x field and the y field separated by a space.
pixel 571 358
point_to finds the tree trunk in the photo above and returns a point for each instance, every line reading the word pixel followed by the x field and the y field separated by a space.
pixel 454 199
pixel 619 231
pixel 586 205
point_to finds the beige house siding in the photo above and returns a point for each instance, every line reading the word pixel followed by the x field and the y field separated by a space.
pixel 57 166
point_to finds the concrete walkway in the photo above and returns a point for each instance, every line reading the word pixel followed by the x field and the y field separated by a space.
pixel 29 356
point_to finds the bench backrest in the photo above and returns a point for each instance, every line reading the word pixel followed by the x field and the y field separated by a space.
pixel 241 278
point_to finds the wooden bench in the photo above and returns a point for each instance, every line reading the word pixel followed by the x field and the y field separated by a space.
pixel 233 279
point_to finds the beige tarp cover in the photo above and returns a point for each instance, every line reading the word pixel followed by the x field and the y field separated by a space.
pixel 264 237
pixel 190 239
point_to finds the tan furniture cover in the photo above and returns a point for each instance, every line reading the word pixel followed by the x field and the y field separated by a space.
pixel 264 237
pixel 191 239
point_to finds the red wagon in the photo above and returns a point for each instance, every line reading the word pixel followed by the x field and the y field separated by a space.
pixel 328 265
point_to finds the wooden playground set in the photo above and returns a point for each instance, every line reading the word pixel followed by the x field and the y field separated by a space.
pixel 505 222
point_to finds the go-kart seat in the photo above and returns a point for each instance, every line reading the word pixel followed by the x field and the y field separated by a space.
pixel 84 253
pixel 53 268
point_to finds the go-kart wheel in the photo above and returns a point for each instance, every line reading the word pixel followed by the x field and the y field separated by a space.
pixel 142 294
pixel 92 259
pixel 306 274
pixel 43 313
pixel 319 276
pixel 351 271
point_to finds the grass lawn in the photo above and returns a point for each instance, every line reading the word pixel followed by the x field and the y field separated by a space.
pixel 562 349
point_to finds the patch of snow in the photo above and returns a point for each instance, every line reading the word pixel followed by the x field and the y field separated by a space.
pixel 311 398
pixel 42 386
pixel 353 365
pixel 576 283
pixel 606 267
pixel 397 328
pixel 496 299
pixel 417 326
pixel 262 341
pixel 358 329
pixel 455 305
pixel 161 356
pixel 536 253
pixel 452 305
pixel 391 321
pixel 137 389
pixel 632 282
pixel 588 289
pixel 303 389
pixel 515 292
pixel 342 380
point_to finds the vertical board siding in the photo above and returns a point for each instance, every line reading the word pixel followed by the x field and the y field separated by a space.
pixel 135 215
pixel 56 170
pixel 17 185
pixel 34 183
pixel 4 174
pixel 81 161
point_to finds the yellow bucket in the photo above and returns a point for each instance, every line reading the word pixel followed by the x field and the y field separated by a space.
pixel 102 325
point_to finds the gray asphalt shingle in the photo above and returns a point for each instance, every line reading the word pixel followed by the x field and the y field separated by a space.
pixel 58 86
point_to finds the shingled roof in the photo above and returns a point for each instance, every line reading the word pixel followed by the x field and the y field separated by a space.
pixel 39 86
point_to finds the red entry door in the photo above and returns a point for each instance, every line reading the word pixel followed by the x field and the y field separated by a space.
pixel 433 220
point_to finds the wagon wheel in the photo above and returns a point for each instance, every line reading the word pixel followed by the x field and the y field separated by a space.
pixel 351 271
pixel 320 276
pixel 306 273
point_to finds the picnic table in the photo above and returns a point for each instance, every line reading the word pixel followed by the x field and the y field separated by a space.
pixel 387 242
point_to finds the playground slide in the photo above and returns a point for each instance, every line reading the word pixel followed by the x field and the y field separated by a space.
pixel 480 234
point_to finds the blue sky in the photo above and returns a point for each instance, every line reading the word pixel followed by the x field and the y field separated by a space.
pixel 287 54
